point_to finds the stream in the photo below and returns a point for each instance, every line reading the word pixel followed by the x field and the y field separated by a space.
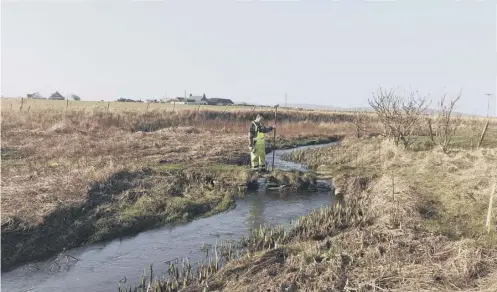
pixel 100 267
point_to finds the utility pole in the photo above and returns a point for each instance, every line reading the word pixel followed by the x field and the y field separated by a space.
pixel 286 100
pixel 488 101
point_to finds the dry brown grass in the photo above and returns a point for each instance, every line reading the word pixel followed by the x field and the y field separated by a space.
pixel 52 158
pixel 55 162
pixel 412 221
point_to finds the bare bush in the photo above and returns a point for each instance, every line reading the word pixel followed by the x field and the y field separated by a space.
pixel 446 123
pixel 475 127
pixel 361 123
pixel 399 116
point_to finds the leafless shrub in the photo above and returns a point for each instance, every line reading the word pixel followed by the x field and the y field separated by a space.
pixel 366 124
pixel 399 116
pixel 361 123
pixel 474 129
pixel 446 123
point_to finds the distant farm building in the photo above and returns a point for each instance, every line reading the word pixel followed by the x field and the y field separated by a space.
pixel 57 96
pixel 220 101
pixel 35 95
pixel 193 99
pixel 181 100
pixel 198 99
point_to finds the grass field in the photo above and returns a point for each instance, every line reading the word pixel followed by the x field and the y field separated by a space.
pixel 15 104
pixel 410 221
pixel 28 104
pixel 87 173
pixel 407 221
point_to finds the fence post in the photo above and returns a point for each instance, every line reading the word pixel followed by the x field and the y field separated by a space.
pixel 483 134
pixel 67 103
pixel 431 131
pixel 108 105
pixel 379 151
pixel 490 202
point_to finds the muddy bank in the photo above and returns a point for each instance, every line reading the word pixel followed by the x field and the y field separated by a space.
pixel 130 202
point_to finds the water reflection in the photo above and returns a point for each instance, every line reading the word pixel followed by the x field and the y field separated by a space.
pixel 256 211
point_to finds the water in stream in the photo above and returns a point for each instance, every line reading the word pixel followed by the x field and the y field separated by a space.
pixel 101 266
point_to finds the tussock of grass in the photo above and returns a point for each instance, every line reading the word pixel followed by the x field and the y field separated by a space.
pixel 292 180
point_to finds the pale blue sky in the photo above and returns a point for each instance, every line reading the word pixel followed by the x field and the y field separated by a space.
pixel 320 52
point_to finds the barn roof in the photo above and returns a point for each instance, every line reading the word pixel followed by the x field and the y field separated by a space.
pixel 56 94
pixel 221 100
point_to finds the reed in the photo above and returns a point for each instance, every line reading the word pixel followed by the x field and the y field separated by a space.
pixel 265 238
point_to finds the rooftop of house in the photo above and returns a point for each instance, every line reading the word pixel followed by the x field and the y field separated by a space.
pixel 34 95
pixel 216 99
pixel 57 94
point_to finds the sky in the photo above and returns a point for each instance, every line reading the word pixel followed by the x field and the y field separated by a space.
pixel 325 52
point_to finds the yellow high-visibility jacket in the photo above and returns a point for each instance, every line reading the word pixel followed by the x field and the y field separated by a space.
pixel 255 128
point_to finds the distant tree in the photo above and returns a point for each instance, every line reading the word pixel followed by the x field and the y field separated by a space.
pixel 75 97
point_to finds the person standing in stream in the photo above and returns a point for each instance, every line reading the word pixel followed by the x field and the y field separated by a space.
pixel 257 144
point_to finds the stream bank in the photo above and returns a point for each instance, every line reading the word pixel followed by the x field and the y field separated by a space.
pixel 130 202
pixel 127 256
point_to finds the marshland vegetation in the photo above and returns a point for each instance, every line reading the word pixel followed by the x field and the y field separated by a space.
pixel 412 193
pixel 413 213
pixel 72 176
